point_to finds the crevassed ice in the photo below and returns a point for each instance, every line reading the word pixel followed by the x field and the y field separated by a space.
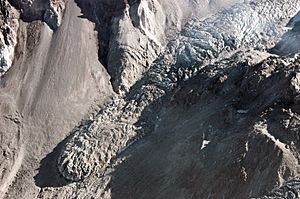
pixel 251 25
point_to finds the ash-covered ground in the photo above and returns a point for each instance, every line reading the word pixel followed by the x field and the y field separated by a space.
pixel 149 99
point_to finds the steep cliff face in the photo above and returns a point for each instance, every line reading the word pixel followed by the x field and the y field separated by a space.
pixel 199 42
pixel 134 33
pixel 289 42
pixel 149 99
pixel 211 139
pixel 9 26
pixel 49 11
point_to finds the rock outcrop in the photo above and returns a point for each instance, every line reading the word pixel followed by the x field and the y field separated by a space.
pixel 54 81
pixel 241 26
pixel 9 25
pixel 218 127
pixel 290 189
pixel 139 32
pixel 149 99
pixel 54 13
pixel 49 11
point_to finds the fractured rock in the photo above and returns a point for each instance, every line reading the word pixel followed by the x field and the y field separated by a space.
pixel 198 42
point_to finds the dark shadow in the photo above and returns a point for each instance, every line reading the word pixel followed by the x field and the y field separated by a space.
pixel 48 174
pixel 165 161
pixel 28 14
pixel 137 168
pixel 145 171
pixel 289 43
pixel 169 162
pixel 102 13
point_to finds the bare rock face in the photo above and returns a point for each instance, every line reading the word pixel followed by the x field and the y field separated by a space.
pixel 206 99
pixel 53 15
pixel 289 43
pixel 132 34
pixel 290 189
pixel 144 24
pixel 140 31
pixel 8 36
pixel 50 11
pixel 198 42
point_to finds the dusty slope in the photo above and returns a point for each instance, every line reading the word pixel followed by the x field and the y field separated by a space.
pixel 200 42
pixel 133 33
pixel 201 122
pixel 223 139
pixel 53 84
pixel 91 150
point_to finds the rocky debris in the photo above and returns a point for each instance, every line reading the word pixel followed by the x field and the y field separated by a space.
pixel 221 107
pixel 289 190
pixel 289 43
pixel 132 34
pixel 54 14
pixel 254 149
pixel 260 108
pixel 8 35
pixel 94 145
pixel 200 41
pixel 250 25
pixel 49 11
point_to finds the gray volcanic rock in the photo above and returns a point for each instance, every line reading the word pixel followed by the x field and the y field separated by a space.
pixel 289 189
pixel 224 132
pixel 9 26
pixel 54 14
pixel 119 99
pixel 53 83
pixel 91 149
pixel 153 24
pixel 50 11
pixel 289 43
